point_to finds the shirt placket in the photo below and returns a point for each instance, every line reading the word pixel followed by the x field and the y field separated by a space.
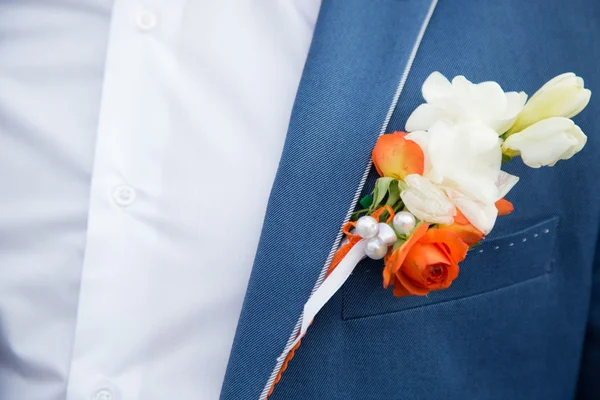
pixel 107 359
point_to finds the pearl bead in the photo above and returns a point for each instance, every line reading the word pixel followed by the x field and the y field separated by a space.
pixel 387 234
pixel 367 227
pixel 376 249
pixel 404 222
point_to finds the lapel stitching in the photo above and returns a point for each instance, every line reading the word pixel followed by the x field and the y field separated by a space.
pixel 356 197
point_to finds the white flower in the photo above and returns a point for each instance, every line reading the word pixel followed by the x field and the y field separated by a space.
pixel 563 96
pixel 427 201
pixel 464 161
pixel 462 101
pixel 547 141
pixel 465 156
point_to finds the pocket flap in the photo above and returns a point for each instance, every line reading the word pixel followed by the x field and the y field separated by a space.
pixel 497 263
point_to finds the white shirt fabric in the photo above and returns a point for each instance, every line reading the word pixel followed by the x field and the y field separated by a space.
pixel 138 144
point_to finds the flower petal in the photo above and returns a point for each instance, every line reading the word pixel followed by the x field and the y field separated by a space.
pixel 426 201
pixel 422 138
pixel 457 249
pixel 411 286
pixel 400 290
pixel 515 103
pixel 423 117
pixel 547 141
pixel 464 229
pixel 567 77
pixel 462 101
pixel 397 258
pixel 465 156
pixel 505 183
pixel 563 96
pixel 417 259
pixel 504 207
pixel 482 215
pixel 394 156
pixel 436 87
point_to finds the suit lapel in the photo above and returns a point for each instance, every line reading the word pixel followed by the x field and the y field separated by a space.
pixel 359 52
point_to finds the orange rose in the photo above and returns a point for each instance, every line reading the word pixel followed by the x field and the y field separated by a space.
pixel 396 157
pixel 427 261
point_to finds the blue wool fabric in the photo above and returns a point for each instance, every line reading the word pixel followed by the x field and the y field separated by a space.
pixel 522 321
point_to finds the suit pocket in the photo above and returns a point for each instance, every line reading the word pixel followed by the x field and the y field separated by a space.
pixel 499 262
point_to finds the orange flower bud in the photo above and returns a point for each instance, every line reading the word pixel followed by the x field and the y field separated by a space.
pixel 396 157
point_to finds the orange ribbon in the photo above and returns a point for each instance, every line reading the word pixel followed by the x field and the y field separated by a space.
pixel 337 258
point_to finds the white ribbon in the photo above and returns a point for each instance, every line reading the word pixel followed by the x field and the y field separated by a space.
pixel 327 289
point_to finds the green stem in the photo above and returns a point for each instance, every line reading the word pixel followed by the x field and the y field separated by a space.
pixel 356 214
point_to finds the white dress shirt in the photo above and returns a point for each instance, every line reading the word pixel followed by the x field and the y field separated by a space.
pixel 138 144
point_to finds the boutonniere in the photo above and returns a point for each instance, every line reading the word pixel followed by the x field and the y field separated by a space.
pixel 441 186
pixel 443 181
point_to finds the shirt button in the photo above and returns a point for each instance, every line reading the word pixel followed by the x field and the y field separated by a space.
pixel 146 20
pixel 124 195
pixel 103 394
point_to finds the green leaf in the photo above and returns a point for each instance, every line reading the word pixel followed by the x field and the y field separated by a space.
pixel 402 185
pixel 366 201
pixel 393 195
pixel 398 207
pixel 381 188
pixel 356 214
pixel 398 244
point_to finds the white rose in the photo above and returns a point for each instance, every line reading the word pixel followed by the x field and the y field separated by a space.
pixel 563 96
pixel 546 142
pixel 462 101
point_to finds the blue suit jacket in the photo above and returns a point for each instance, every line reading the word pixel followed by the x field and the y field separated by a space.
pixel 522 321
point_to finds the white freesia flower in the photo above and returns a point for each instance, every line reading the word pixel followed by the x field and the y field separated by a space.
pixel 465 156
pixel 462 101
pixel 547 141
pixel 563 96
pixel 427 201
pixel 464 161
